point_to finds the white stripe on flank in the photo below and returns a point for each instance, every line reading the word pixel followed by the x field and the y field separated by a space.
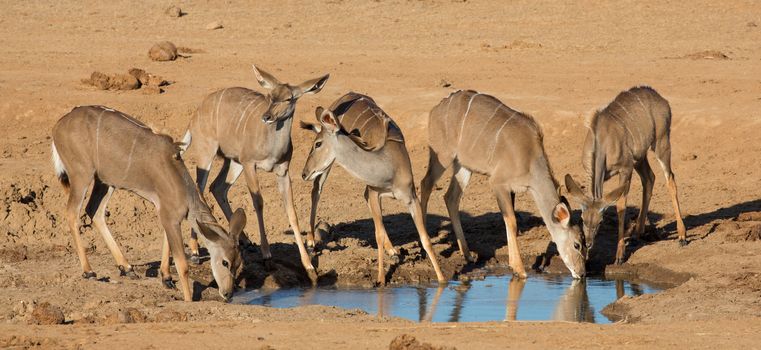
pixel 365 123
pixel 60 169
pixel 465 118
pixel 129 159
pixel 446 118
pixel 216 114
pixel 237 127
pixel 97 141
pixel 245 124
pixel 496 137
pixel 357 118
pixel 475 141
pixel 639 129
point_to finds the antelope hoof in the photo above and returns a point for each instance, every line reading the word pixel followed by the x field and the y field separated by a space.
pixel 394 259
pixel 312 276
pixel 471 257
pixel 619 261
pixel 127 272
pixel 195 259
pixel 683 242
pixel 168 283
pixel 520 274
pixel 89 275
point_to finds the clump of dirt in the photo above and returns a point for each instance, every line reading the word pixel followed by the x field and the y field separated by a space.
pixel 46 314
pixel 112 81
pixel 408 342
pixel 163 51
pixel 174 12
pixel 170 316
pixel 707 55
pixel 128 315
pixel 134 79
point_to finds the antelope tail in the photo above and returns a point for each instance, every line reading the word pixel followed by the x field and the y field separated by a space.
pixel 185 143
pixel 60 169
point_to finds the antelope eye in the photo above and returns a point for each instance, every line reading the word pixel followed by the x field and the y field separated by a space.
pixel 317 144
pixel 577 246
pixel 225 264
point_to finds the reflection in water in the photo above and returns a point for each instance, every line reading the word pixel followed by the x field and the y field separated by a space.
pixel 540 297
pixel 574 306
pixel 514 291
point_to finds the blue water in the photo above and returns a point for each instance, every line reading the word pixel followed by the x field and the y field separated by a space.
pixel 495 298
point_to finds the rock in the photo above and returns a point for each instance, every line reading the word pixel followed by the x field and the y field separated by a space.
pixel 46 314
pixel 214 25
pixel 147 78
pixel 112 82
pixel 163 51
pixel 174 11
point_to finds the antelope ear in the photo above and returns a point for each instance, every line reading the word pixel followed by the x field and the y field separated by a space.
pixel 561 214
pixel 318 112
pixel 313 86
pixel 614 195
pixel 315 128
pixel 237 223
pixel 329 121
pixel 208 233
pixel 575 192
pixel 265 79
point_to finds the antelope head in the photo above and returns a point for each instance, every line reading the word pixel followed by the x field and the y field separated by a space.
pixel 323 152
pixel 568 239
pixel 591 208
pixel 282 97
pixel 226 261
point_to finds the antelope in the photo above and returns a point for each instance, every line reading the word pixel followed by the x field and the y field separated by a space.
pixel 616 144
pixel 250 131
pixel 375 153
pixel 104 147
pixel 475 132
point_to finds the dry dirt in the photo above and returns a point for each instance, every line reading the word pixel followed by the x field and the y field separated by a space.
pixel 556 61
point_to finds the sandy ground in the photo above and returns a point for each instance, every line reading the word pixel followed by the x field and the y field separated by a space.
pixel 555 61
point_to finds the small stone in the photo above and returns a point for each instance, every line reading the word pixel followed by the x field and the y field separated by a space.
pixel 174 11
pixel 46 314
pixel 163 51
pixel 214 25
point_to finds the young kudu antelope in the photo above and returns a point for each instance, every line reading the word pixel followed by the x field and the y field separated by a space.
pixel 474 132
pixel 616 144
pixel 378 157
pixel 95 144
pixel 251 131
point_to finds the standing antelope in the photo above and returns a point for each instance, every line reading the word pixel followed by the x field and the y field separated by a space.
pixel 475 132
pixel 372 149
pixel 250 131
pixel 95 144
pixel 616 144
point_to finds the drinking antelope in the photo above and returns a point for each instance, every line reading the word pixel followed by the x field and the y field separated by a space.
pixel 373 152
pixel 95 144
pixel 616 144
pixel 251 131
pixel 474 132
